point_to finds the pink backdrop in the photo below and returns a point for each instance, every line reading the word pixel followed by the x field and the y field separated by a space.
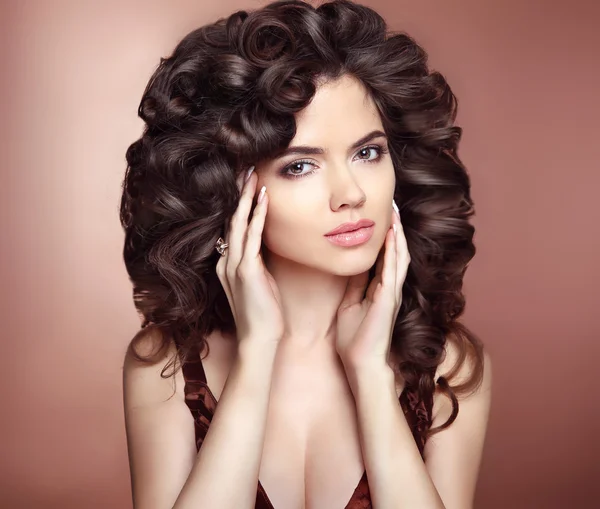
pixel 73 74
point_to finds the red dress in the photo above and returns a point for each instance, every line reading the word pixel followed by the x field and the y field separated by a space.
pixel 202 403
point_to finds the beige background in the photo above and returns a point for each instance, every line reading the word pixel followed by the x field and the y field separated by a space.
pixel 527 80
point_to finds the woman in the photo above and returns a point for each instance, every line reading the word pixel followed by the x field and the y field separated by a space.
pixel 322 318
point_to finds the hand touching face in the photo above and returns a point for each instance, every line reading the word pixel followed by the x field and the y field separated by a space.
pixel 336 170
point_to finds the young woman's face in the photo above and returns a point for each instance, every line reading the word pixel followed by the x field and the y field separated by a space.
pixel 311 194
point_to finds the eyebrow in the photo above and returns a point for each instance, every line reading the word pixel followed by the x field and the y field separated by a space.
pixel 304 149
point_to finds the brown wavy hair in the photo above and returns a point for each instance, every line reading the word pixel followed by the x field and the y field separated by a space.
pixel 225 99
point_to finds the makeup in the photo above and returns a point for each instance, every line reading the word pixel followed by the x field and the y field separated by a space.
pixel 354 238
pixel 352 234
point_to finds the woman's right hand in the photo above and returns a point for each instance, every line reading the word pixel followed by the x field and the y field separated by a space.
pixel 251 290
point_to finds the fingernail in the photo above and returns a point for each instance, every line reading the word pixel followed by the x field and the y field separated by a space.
pixel 395 229
pixel 261 194
pixel 395 207
pixel 249 172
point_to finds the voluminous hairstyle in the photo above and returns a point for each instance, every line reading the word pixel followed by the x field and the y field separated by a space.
pixel 225 99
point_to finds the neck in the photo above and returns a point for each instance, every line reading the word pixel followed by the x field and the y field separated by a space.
pixel 310 299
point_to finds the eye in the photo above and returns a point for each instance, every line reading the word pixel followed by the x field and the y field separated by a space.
pixel 294 170
pixel 378 149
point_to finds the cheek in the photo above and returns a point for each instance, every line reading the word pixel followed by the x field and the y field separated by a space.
pixel 285 225
pixel 380 194
pixel 387 182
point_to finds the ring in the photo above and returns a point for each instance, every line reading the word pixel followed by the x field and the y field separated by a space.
pixel 221 246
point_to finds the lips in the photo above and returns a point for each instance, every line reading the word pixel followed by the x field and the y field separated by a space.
pixel 350 227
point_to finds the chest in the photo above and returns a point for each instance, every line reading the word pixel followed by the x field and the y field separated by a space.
pixel 311 455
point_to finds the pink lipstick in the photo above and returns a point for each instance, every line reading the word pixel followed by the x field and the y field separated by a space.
pixel 351 234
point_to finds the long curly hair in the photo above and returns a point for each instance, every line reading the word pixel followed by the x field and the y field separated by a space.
pixel 225 99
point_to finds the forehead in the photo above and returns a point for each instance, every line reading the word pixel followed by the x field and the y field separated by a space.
pixel 341 111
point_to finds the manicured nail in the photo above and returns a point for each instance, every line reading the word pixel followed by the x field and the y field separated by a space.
pixel 395 207
pixel 249 172
pixel 261 194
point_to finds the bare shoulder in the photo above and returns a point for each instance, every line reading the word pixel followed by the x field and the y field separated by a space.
pixel 143 381
pixel 442 405
pixel 159 425
pixel 453 456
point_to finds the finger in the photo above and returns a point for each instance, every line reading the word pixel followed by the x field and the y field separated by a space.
pixel 355 290
pixel 370 295
pixel 377 276
pixel 403 256
pixel 256 227
pixel 388 274
pixel 380 258
pixel 240 181
pixel 375 282
pixel 239 225
pixel 220 269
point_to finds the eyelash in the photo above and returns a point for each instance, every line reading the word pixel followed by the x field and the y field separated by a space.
pixel 284 171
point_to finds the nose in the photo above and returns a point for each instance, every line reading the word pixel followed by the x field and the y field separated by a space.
pixel 345 190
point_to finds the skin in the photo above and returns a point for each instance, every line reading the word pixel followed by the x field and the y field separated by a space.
pixel 310 392
pixel 341 185
pixel 302 411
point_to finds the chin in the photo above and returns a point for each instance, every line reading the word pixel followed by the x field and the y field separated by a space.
pixel 352 267
pixel 351 261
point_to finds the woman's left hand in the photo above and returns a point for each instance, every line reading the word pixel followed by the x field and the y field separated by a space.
pixel 364 326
